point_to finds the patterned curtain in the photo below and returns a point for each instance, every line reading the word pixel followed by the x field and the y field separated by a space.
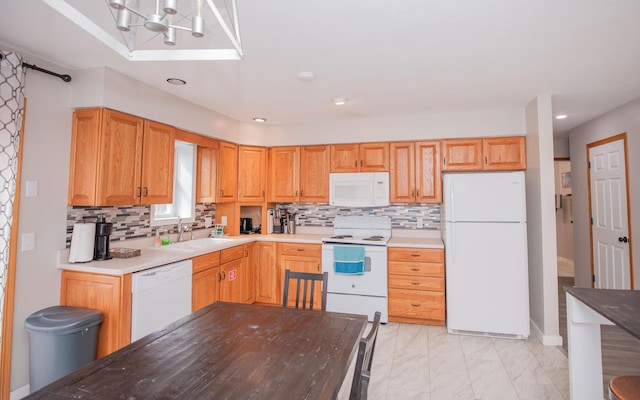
pixel 11 114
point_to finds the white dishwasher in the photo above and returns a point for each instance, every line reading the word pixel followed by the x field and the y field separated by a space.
pixel 159 296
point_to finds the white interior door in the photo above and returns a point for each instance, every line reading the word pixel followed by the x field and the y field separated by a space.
pixel 610 222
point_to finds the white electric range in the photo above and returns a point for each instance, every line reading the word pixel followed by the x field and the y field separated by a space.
pixel 359 293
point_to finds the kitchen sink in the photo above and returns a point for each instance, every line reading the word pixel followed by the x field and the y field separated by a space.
pixel 195 244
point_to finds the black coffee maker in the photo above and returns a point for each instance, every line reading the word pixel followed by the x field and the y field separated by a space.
pixel 101 248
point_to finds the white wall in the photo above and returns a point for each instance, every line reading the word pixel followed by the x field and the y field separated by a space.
pixel 623 119
pixel 503 122
pixel 561 148
pixel 45 160
pixel 543 275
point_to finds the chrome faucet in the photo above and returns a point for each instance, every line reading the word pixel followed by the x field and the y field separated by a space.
pixel 182 228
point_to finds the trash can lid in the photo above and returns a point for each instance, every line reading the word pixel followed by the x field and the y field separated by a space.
pixel 62 319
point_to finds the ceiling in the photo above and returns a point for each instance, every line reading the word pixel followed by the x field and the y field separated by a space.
pixel 385 57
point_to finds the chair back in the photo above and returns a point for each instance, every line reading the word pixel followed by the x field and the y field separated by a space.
pixel 362 372
pixel 307 292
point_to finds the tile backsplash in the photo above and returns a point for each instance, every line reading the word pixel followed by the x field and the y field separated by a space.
pixel 133 222
pixel 130 222
pixel 403 216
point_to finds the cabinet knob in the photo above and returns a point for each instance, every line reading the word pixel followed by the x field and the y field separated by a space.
pixel 415 283
pixel 415 304
pixel 415 255
pixel 219 276
pixel 146 191
pixel 415 269
pixel 139 191
pixel 223 274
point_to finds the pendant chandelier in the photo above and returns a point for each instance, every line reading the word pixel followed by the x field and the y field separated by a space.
pixel 159 20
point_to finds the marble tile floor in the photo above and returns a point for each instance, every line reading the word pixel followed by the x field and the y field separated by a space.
pixel 427 363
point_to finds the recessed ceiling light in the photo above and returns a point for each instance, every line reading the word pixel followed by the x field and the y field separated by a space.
pixel 258 119
pixel 176 81
pixel 561 116
pixel 338 100
pixel 306 76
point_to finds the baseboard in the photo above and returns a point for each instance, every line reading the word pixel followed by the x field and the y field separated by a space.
pixel 20 393
pixel 547 340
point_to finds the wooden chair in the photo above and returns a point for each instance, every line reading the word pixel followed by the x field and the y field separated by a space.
pixel 309 279
pixel 362 372
pixel 625 387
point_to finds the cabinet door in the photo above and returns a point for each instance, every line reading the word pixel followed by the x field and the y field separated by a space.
pixel 157 163
pixel 428 177
pixel 228 172
pixel 374 157
pixel 249 273
pixel 120 159
pixel 252 169
pixel 314 174
pixel 109 294
pixel 302 264
pixel 284 174
pixel 85 142
pixel 268 285
pixel 232 288
pixel 462 155
pixel 504 153
pixel 207 175
pixel 345 158
pixel 205 288
pixel 402 172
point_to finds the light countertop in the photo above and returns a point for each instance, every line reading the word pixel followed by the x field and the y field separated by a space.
pixel 151 257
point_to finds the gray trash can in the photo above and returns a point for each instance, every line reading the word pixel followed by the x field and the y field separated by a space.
pixel 61 340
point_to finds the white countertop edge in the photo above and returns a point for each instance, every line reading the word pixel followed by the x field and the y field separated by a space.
pixel 153 257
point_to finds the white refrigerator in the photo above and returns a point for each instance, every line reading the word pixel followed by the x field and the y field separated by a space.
pixel 484 228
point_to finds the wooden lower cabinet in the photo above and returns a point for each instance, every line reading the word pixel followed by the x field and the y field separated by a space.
pixel 236 274
pixel 110 294
pixel 268 283
pixel 205 286
pixel 416 286
pixel 300 257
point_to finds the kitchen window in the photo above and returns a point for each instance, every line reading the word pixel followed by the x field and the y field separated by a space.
pixel 184 189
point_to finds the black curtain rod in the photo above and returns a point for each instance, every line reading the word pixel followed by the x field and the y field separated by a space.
pixel 65 78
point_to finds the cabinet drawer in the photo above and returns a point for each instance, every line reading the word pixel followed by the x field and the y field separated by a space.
pixel 410 254
pixel 231 254
pixel 416 268
pixel 205 261
pixel 300 249
pixel 416 283
pixel 416 304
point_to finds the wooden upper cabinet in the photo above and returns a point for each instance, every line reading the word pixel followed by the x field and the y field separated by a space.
pixel 119 159
pixel 504 153
pixel 345 158
pixel 374 157
pixel 462 154
pixel 207 175
pixel 314 174
pixel 284 174
pixel 415 172
pixel 252 173
pixel 428 176
pixel 402 173
pixel 365 157
pixel 156 180
pixel 85 147
pixel 228 172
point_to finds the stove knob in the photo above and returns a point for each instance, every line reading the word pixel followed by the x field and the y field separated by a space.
pixel 353 286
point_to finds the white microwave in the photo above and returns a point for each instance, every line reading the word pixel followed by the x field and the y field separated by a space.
pixel 359 189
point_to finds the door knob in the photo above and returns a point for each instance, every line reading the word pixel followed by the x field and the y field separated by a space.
pixel 623 239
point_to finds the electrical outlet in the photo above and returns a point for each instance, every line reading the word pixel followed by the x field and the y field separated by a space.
pixel 28 241
pixel 207 222
pixel 419 223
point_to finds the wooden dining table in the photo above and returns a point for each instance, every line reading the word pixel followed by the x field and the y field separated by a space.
pixel 225 351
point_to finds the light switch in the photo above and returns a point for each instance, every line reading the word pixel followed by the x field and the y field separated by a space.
pixel 31 189
pixel 223 220
pixel 28 241
pixel 419 223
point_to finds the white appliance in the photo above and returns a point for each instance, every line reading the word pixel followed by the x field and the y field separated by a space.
pixel 359 189
pixel 485 235
pixel 366 292
pixel 159 296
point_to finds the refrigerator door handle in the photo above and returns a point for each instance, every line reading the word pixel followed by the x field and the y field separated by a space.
pixel 451 243
pixel 452 210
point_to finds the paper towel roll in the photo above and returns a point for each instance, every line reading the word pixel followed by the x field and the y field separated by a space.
pixel 82 242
